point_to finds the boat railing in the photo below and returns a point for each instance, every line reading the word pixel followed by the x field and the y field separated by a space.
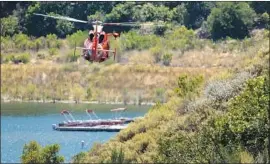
pixel 67 115
pixel 89 112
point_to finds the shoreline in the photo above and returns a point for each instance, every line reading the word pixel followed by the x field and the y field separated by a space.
pixel 74 102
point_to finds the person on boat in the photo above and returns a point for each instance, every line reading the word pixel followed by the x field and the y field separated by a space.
pixel 82 144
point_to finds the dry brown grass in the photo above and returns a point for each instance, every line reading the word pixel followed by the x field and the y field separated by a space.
pixel 140 77
pixel 107 83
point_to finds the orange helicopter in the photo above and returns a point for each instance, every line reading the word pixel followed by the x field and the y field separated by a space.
pixel 96 46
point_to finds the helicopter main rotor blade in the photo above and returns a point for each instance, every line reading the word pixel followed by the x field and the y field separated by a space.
pixel 62 17
pixel 132 24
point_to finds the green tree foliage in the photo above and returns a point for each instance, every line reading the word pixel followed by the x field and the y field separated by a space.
pixel 52 51
pixel 132 40
pixel 121 12
pixel 99 15
pixel 197 12
pixel 31 153
pixel 179 14
pixel 163 13
pixel 9 25
pixel 144 13
pixel 34 153
pixel 64 27
pixel 231 19
pixel 248 116
pixel 260 7
pixel 49 154
pixel 264 20
pixel 190 14
pixel 237 136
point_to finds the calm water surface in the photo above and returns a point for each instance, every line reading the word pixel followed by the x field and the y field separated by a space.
pixel 23 122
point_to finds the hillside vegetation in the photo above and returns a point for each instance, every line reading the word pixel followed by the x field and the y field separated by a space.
pixel 206 70
pixel 141 78
pixel 219 119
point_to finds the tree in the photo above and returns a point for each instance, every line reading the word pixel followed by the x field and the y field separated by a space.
pixel 9 25
pixel 121 12
pixel 144 13
pixel 31 153
pixel 179 14
pixel 163 14
pixel 197 12
pixel 49 155
pixel 97 16
pixel 64 27
pixel 260 7
pixel 34 153
pixel 231 19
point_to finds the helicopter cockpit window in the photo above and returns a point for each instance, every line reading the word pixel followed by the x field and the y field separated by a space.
pixel 101 38
pixel 91 36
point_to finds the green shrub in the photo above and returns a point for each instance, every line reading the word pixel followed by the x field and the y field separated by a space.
pixel 248 119
pixel 166 59
pixel 53 51
pixel 25 57
pixel 7 58
pixel 77 38
pixel 180 39
pixel 117 156
pixel 79 158
pixel 52 42
pixel 133 40
pixel 157 53
pixel 188 85
pixel 21 41
pixel 264 19
pixel 41 56
pixel 38 44
pixel 160 95
pixel 73 56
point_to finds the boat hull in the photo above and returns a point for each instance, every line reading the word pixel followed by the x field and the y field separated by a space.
pixel 91 129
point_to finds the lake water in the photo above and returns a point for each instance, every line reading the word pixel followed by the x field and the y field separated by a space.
pixel 23 122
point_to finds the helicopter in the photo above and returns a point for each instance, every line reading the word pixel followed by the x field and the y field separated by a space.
pixel 96 47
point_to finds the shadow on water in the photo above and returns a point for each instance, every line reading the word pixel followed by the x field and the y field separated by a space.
pixel 24 108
